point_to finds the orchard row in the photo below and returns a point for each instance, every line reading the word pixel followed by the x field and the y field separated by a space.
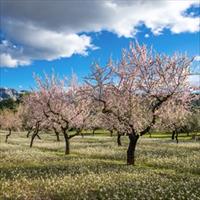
pixel 141 92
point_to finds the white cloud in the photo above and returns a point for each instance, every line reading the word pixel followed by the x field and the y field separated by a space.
pixel 194 80
pixel 50 30
pixel 8 61
pixel 197 58
pixel 47 44
pixel 37 43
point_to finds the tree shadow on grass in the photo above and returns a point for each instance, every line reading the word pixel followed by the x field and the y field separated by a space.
pixel 70 167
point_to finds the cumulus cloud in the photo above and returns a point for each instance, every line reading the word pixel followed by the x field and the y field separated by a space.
pixel 36 43
pixel 11 55
pixel 7 60
pixel 51 30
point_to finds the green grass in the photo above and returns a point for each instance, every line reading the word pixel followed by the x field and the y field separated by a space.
pixel 96 169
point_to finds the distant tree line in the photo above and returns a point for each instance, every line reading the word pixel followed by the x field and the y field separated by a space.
pixel 12 104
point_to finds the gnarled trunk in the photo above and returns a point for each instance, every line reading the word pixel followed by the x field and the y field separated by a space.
pixel 35 134
pixel 28 133
pixel 67 151
pixel 119 139
pixel 38 136
pixel 9 133
pixel 131 149
pixel 32 138
pixel 57 134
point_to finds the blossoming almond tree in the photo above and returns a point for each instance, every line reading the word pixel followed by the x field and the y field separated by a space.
pixel 135 89
pixel 110 123
pixel 10 121
pixel 174 116
pixel 33 118
pixel 61 104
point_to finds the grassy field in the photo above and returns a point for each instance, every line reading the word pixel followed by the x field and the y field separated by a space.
pixel 96 169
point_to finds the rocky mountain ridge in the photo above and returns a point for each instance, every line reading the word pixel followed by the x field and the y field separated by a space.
pixel 9 93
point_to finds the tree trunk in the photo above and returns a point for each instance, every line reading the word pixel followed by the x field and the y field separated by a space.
pixel 32 138
pixel 66 143
pixel 57 134
pixel 28 133
pixel 38 137
pixel 93 132
pixel 57 137
pixel 173 134
pixel 111 133
pixel 131 149
pixel 176 136
pixel 150 134
pixel 119 139
pixel 9 133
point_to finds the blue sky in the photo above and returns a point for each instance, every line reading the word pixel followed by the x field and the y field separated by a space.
pixel 36 44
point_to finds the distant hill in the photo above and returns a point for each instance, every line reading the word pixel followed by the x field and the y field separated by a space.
pixel 9 93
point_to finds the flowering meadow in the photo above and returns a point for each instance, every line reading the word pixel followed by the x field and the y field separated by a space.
pixel 96 169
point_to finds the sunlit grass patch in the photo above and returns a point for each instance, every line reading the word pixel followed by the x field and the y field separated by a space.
pixel 96 169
